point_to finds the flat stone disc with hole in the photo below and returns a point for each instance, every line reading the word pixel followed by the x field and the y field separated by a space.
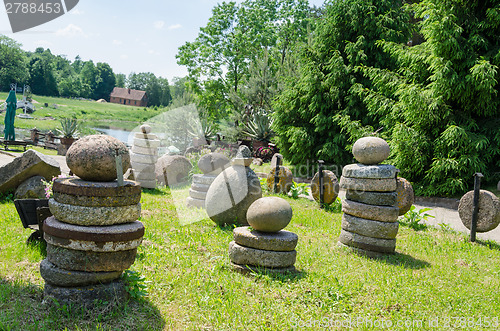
pixel 245 269
pixel 269 259
pixel 404 195
pixel 372 198
pixel 77 186
pixel 370 228
pixel 89 261
pixel 375 171
pixel 367 243
pixel 330 186
pixel 285 181
pixel 368 184
pixel 93 238
pixel 203 179
pixel 488 216
pixel 113 293
pixel 89 216
pixel 282 241
pixel 370 212
pixel 61 277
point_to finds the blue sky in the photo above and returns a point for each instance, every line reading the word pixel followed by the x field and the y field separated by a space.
pixel 130 35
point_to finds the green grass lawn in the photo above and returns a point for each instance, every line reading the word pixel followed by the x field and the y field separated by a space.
pixel 436 277
pixel 89 113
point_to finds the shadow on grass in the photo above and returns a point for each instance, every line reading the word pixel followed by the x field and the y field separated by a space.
pixel 38 245
pixel 157 191
pixel 290 276
pixel 489 243
pixel 27 312
pixel 404 260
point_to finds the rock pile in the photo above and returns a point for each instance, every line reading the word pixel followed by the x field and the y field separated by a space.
pixel 233 191
pixel 369 223
pixel 211 165
pixel 94 233
pixel 265 246
pixel 144 156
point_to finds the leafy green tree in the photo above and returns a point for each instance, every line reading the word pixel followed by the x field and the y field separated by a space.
pixel 157 89
pixel 318 114
pixel 120 80
pixel 13 63
pixel 106 83
pixel 236 35
pixel 440 104
pixel 42 79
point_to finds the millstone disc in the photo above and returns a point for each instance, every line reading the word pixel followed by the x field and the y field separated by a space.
pixel 77 186
pixel 488 216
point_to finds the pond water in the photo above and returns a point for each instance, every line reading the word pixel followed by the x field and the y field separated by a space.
pixel 121 135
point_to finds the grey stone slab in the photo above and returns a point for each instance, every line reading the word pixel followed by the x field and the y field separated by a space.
pixel 371 212
pixel 197 195
pixel 29 164
pixel 203 179
pixel 146 143
pixel 31 188
pixel 89 201
pixel 367 243
pixel 282 241
pixel 368 184
pixel 257 257
pixel 141 158
pixel 198 203
pixel 89 261
pixel 213 162
pixel 370 228
pixel 145 150
pixel 378 171
pixel 113 293
pixel 88 216
pixel 70 278
pixel 372 198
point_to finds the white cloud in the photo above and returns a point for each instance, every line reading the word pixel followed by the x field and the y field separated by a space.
pixel 76 12
pixel 153 52
pixel 124 56
pixel 71 31
pixel 159 24
pixel 117 42
pixel 174 27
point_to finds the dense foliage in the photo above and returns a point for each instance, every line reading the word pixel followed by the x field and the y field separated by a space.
pixel 423 75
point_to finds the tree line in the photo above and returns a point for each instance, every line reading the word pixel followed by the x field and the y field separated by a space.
pixel 424 75
pixel 55 75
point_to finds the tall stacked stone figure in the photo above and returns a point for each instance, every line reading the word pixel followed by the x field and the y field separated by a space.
pixel 370 219
pixel 265 246
pixel 144 156
pixel 94 233
pixel 211 165
pixel 233 191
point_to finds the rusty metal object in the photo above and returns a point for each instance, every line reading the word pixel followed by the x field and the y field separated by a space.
pixel 77 186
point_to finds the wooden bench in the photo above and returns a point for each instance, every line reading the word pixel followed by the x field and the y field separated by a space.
pixel 22 143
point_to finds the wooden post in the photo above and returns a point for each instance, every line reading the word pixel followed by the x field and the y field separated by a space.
pixel 475 212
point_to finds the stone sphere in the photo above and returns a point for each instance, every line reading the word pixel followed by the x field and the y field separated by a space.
pixel 371 150
pixel 269 214
pixel 404 195
pixel 231 194
pixel 488 216
pixel 213 163
pixel 285 182
pixel 145 129
pixel 93 158
pixel 330 186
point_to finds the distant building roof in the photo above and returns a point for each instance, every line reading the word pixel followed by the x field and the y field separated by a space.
pixel 126 93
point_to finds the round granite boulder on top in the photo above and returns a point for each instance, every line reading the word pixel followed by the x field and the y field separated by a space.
pixel 330 186
pixel 213 163
pixel 404 195
pixel 269 214
pixel 371 150
pixel 93 158
pixel 231 194
pixel 488 216
pixel 172 169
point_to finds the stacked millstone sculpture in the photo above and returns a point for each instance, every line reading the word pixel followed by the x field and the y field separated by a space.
pixel 233 191
pixel 211 165
pixel 369 222
pixel 144 156
pixel 94 233
pixel 266 246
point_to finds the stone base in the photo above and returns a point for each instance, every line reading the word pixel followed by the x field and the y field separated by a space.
pixel 197 203
pixel 268 259
pixel 363 252
pixel 281 241
pixel 197 194
pixel 113 293
pixel 367 243
pixel 245 269
pixel 65 278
